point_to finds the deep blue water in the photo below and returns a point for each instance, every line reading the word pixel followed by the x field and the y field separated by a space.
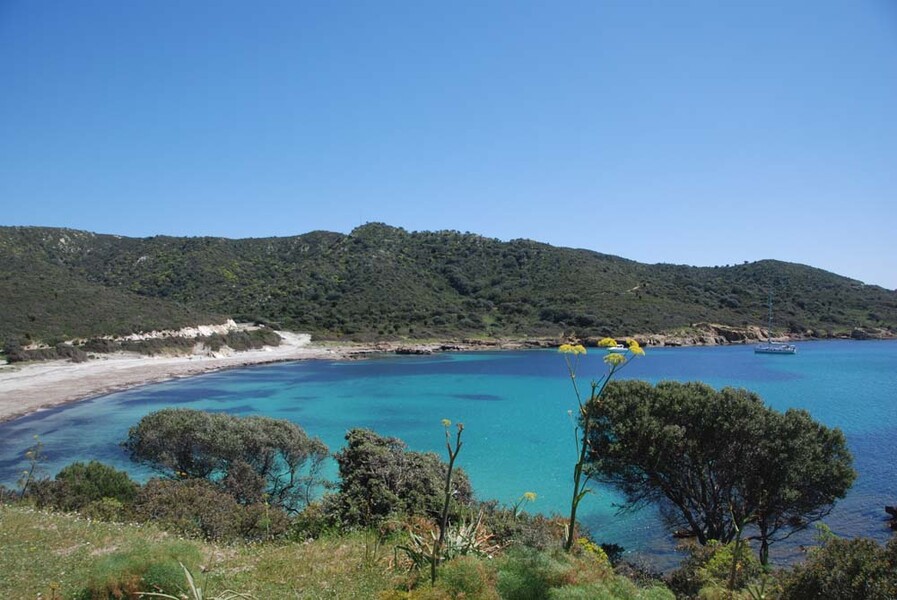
pixel 518 436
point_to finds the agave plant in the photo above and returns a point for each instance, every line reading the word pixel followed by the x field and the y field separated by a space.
pixel 465 538
pixel 196 592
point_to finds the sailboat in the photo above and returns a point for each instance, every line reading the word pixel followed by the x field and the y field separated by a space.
pixel 771 347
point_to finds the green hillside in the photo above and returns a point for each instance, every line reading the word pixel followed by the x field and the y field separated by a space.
pixel 41 299
pixel 384 282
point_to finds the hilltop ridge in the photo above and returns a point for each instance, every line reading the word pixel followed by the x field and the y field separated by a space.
pixel 383 282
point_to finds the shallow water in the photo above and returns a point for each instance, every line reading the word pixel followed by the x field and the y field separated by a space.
pixel 518 436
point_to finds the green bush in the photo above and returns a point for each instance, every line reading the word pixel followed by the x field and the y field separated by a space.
pixel 616 588
pixel 126 573
pixel 856 569
pixel 709 567
pixel 80 484
pixel 718 569
pixel 380 479
pixel 106 509
pixel 469 578
pixel 198 508
pixel 527 574
pixel 311 523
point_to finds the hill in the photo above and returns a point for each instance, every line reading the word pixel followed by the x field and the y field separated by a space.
pixel 385 282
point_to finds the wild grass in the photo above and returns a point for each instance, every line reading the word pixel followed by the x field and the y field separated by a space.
pixel 54 555
pixel 44 552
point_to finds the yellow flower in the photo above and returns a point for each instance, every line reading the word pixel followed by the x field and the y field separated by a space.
pixel 446 423
pixel 529 496
pixel 615 359
pixel 635 348
pixel 572 349
pixel 607 342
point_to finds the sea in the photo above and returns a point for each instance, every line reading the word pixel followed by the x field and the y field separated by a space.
pixel 518 434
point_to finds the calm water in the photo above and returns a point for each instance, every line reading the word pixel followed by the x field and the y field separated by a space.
pixel 518 435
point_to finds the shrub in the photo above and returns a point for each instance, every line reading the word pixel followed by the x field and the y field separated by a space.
pixel 101 345
pixel 468 577
pixel 126 573
pixel 106 509
pixel 845 570
pixel 379 479
pixel 616 588
pixel 198 508
pixel 15 353
pixel 80 484
pixel 511 528
pixel 7 494
pixel 76 355
pixel 311 523
pixel 525 574
pixel 12 350
pixel 707 570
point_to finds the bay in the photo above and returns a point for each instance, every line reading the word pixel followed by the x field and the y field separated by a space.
pixel 518 434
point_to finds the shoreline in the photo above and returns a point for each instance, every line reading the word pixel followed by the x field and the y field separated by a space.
pixel 35 386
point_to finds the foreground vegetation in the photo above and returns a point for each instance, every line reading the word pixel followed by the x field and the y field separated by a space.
pixel 384 282
pixel 81 558
pixel 55 555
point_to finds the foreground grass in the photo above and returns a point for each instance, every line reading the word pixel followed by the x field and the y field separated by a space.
pixel 42 551
pixel 51 555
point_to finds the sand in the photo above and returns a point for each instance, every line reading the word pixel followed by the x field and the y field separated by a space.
pixel 30 387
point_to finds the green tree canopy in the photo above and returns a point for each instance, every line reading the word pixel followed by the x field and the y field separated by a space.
pixel 246 456
pixel 716 461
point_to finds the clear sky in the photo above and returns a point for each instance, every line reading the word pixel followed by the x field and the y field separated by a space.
pixel 704 133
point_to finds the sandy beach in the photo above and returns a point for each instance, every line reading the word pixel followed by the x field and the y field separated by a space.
pixel 28 387
pixel 33 386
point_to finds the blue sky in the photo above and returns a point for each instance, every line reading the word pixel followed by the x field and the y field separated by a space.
pixel 704 133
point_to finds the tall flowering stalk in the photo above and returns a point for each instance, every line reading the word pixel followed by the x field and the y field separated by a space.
pixel 582 431
pixel 443 522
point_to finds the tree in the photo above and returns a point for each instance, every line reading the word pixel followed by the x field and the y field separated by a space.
pixel 717 461
pixel 246 456
pixel 804 468
pixel 380 478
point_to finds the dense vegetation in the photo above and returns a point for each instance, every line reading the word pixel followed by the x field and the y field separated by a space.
pixel 384 282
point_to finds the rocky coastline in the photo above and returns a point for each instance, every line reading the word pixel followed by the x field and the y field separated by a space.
pixel 699 334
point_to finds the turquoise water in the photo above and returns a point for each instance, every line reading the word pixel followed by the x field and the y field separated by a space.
pixel 518 436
